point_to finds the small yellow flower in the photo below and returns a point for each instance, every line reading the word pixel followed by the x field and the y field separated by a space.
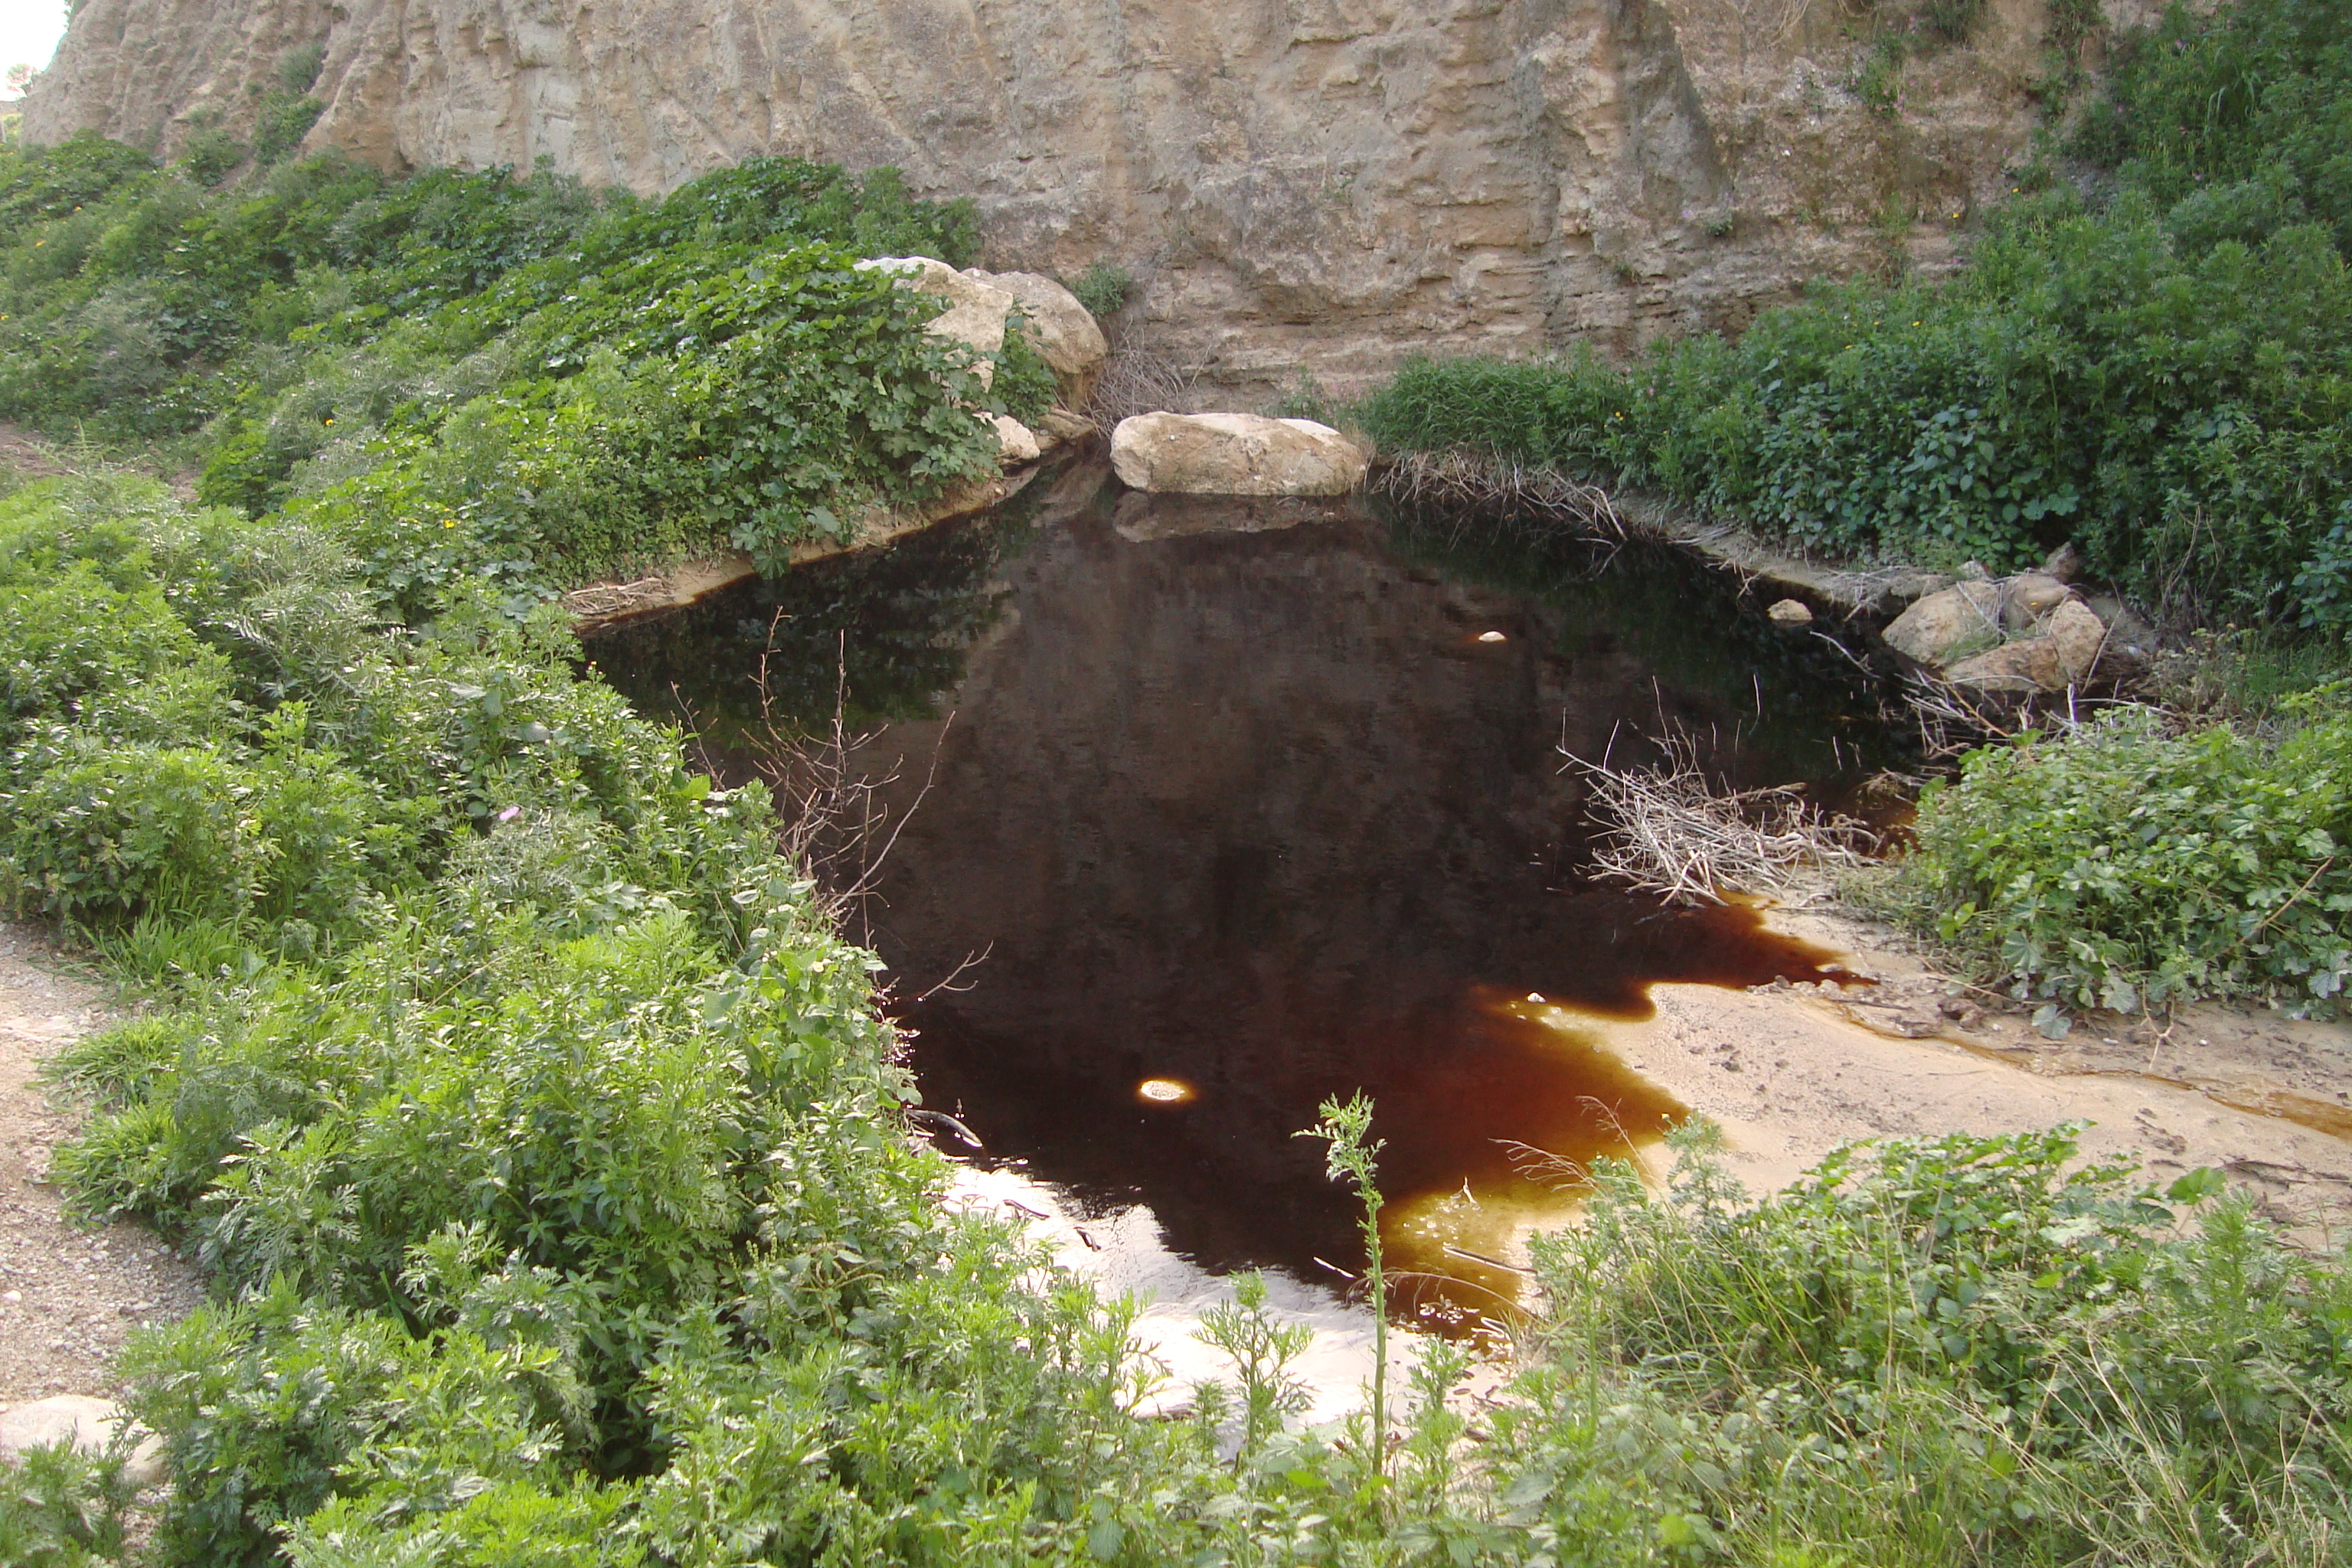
pixel 448 522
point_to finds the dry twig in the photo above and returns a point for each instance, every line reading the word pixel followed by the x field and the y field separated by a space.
pixel 1670 830
pixel 1458 480
pixel 1133 382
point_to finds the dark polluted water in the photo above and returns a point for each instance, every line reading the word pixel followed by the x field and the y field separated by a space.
pixel 1198 813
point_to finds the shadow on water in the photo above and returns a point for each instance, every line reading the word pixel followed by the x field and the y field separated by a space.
pixel 1250 803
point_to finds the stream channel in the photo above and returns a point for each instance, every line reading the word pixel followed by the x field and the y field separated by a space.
pixel 1197 812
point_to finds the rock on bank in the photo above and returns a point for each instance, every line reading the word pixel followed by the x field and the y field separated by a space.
pixel 1234 455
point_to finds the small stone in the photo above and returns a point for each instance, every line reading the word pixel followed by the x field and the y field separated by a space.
pixel 1015 442
pixel 2028 599
pixel 2065 563
pixel 1792 613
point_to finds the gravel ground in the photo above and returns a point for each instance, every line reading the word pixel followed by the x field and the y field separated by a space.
pixel 70 1292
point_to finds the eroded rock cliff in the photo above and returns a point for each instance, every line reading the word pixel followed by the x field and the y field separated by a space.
pixel 1323 184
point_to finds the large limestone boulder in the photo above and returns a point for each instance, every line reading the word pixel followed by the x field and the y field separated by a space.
pixel 1065 332
pixel 976 310
pixel 89 1424
pixel 1950 624
pixel 1234 455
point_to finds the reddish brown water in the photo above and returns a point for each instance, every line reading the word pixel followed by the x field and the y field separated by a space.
pixel 1262 818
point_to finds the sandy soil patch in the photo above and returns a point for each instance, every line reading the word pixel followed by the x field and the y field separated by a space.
pixel 1790 1072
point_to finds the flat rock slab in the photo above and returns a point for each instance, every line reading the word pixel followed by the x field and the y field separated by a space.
pixel 89 1424
pixel 1234 455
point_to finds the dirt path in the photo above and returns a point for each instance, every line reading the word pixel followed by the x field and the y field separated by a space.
pixel 68 1293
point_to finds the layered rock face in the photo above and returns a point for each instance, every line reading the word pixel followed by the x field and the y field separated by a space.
pixel 1317 183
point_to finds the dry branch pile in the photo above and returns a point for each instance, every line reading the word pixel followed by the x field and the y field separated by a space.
pixel 1671 830
pixel 1459 479
pixel 1133 382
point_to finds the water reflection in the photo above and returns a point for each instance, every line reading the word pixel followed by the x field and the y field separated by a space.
pixel 1264 815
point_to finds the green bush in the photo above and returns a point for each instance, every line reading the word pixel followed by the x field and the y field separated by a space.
pixel 141 304
pixel 210 155
pixel 2119 866
pixel 282 124
pixel 62 1509
pixel 1104 288
pixel 120 663
pixel 106 832
pixel 2060 1364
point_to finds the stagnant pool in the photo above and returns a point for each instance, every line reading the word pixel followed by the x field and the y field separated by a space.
pixel 1199 812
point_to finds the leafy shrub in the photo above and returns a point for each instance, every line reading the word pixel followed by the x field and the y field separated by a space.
pixel 143 304
pixel 210 153
pixel 2062 1364
pixel 282 124
pixel 2122 867
pixel 106 832
pixel 61 1509
pixel 299 72
pixel 1104 288
pixel 55 182
pixel 120 663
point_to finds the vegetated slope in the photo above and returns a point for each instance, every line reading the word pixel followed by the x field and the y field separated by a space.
pixel 1327 183
pixel 2152 358
pixel 473 375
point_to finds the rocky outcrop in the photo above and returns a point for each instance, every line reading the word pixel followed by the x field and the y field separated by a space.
pixel 2017 636
pixel 1327 182
pixel 1234 455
